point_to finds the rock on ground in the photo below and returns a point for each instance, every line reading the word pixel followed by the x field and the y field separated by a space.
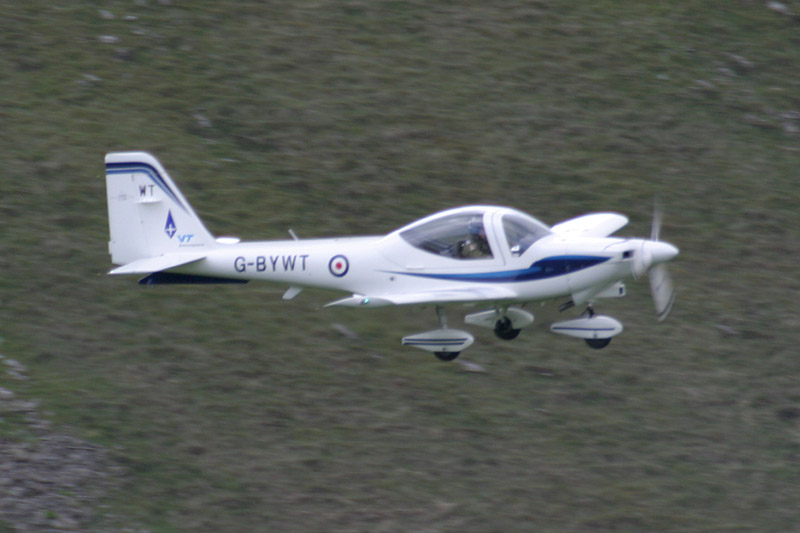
pixel 48 481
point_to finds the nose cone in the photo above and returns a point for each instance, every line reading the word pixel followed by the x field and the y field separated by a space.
pixel 661 252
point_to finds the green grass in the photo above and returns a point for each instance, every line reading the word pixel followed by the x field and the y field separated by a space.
pixel 235 411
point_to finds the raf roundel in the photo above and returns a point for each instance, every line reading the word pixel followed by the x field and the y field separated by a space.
pixel 339 265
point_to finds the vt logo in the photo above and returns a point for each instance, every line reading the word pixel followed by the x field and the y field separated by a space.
pixel 169 227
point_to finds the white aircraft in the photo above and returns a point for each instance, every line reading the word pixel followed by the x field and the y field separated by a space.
pixel 478 254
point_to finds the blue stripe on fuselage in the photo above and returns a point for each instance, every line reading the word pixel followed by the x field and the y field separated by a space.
pixel 548 267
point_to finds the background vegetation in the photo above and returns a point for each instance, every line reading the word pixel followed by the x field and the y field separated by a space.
pixel 234 411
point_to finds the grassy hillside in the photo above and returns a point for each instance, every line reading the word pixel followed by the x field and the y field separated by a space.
pixel 234 411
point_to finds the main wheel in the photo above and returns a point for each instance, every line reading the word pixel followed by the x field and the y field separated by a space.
pixel 446 356
pixel 504 329
pixel 598 343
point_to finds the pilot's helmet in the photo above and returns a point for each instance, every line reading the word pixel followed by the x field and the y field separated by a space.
pixel 475 226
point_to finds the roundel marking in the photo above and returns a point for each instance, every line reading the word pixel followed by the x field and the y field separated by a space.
pixel 339 265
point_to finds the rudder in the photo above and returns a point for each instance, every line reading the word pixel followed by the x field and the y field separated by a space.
pixel 147 214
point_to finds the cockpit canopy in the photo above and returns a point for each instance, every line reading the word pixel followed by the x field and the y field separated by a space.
pixel 460 236
pixel 462 233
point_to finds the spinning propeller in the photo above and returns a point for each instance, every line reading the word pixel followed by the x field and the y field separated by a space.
pixel 652 258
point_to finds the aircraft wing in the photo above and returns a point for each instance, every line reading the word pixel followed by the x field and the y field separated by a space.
pixel 158 263
pixel 594 225
pixel 464 294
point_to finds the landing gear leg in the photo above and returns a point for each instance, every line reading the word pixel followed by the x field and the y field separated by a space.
pixel 444 342
pixel 444 356
pixel 442 316
pixel 596 344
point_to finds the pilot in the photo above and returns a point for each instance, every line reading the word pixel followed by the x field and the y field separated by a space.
pixel 476 245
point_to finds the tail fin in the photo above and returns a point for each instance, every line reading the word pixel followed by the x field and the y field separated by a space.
pixel 147 215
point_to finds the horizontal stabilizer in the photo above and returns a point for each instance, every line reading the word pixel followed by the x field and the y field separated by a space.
pixel 156 264
pixel 594 225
